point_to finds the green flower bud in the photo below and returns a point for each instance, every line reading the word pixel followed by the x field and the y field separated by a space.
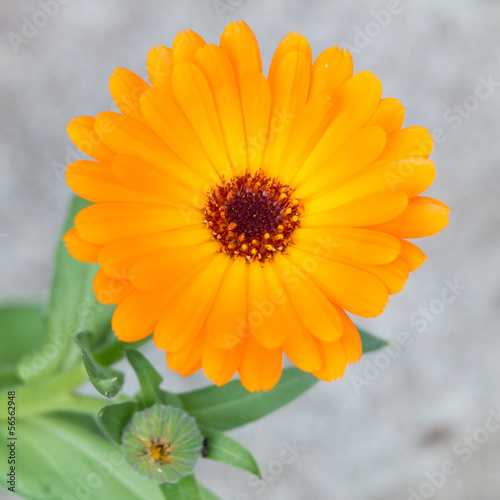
pixel 162 443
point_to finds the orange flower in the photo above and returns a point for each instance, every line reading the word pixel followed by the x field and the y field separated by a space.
pixel 238 217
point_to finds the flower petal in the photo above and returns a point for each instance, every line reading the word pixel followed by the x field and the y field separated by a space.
pixel 366 211
pixel 80 249
pixel 389 115
pixel 289 89
pixel 193 94
pixel 219 73
pixel 349 287
pixel 357 245
pixel 227 324
pixel 103 223
pixel 331 69
pixel 315 311
pixel 422 217
pixel 260 368
pixel 126 89
pixel 355 101
pixel 159 66
pixel 81 132
pixel 242 48
pixel 180 322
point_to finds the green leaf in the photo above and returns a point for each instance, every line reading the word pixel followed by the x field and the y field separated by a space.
pixel 225 449
pixel 185 489
pixel 66 456
pixel 370 342
pixel 230 406
pixel 114 418
pixel 109 349
pixel 206 494
pixel 72 307
pixel 106 380
pixel 149 378
pixel 23 329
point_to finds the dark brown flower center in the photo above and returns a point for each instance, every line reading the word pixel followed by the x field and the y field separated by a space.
pixel 252 216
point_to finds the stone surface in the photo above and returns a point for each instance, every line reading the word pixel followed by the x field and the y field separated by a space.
pixel 363 441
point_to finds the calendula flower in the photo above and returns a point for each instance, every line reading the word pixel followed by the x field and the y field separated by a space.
pixel 239 216
pixel 162 443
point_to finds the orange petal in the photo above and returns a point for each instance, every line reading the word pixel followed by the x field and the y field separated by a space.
pixel 256 107
pixel 79 248
pixel 349 287
pixel 410 142
pixel 315 311
pixel 361 93
pixel 126 89
pixel 119 256
pixel 289 89
pixel 412 176
pixel 135 316
pixel 220 365
pixel 299 344
pixel 334 360
pixel 355 154
pixel 97 183
pixel 107 222
pixel 305 134
pixel 353 244
pixel 185 45
pixel 129 137
pixel 411 255
pixel 180 322
pixel 188 360
pixel 265 314
pixel 227 323
pixel 153 271
pixel 392 275
pixel 81 132
pixel 350 340
pixel 157 184
pixel 111 289
pixel 422 217
pixel 193 94
pixel 260 368
pixel 330 70
pixel 159 66
pixel 168 121
pixel 219 73
pixel 366 211
pixel 242 48
pixel 389 115
pixel 291 43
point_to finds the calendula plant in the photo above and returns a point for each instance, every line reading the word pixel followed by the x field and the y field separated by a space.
pixel 232 219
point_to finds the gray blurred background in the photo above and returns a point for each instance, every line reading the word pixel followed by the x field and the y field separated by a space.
pixel 419 421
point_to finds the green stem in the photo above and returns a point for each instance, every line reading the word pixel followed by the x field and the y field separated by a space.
pixel 57 393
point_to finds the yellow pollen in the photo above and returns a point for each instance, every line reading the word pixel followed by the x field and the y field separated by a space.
pixel 160 452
